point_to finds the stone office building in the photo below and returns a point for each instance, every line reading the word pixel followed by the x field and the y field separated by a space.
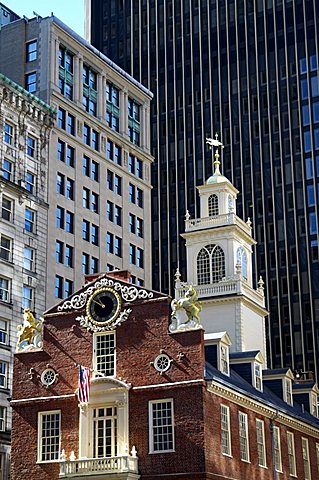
pixel 25 126
pixel 99 165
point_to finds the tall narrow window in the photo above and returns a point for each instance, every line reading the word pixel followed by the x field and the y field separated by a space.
pixel 3 412
pixel 31 51
pixel 31 82
pixel 261 447
pixel 104 354
pixel 3 374
pixel 112 107
pixel 277 449
pixel 105 432
pixel 4 289
pixel 161 426
pixel 242 261
pixel 306 459
pixel 291 453
pixel 213 209
pixel 49 436
pixel 288 392
pixel 203 266
pixel 257 376
pixel 224 359
pixel 317 454
pixel 6 248
pixel 218 264
pixel 210 265
pixel 243 436
pixel 225 430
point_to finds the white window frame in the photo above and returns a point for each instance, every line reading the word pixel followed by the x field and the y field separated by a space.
pixel 170 425
pixel 97 373
pixel 4 375
pixel 291 454
pixel 28 302
pixel 224 358
pixel 3 418
pixel 288 390
pixel 313 404
pixel 4 330
pixel 225 412
pixel 30 260
pixel 9 259
pixel 4 197
pixel 243 435
pixel 306 458
pixel 8 174
pixel 8 290
pixel 115 431
pixel 40 432
pixel 257 377
pixel 277 449
pixel 261 423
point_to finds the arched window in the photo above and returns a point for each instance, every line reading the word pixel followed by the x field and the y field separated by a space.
pixel 213 205
pixel 242 260
pixel 210 265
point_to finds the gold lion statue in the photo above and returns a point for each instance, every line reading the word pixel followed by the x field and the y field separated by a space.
pixel 29 330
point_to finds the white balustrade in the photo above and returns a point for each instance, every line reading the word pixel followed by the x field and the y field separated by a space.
pixel 96 466
pixel 218 220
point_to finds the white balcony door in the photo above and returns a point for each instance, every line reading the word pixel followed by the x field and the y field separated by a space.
pixel 104 432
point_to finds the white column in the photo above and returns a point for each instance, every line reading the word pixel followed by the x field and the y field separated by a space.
pixel 123 112
pixel 55 44
pixel 122 426
pixel 79 79
pixel 101 108
pixel 145 127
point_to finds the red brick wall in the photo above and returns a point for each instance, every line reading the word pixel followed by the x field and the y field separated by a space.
pixel 233 467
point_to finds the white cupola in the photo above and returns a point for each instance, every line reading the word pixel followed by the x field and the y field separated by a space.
pixel 219 264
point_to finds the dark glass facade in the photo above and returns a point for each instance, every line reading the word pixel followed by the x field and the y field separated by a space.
pixel 247 69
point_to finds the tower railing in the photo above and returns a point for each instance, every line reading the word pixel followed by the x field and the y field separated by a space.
pixel 216 221
pixel 98 466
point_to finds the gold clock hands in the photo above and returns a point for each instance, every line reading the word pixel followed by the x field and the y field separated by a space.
pixel 99 303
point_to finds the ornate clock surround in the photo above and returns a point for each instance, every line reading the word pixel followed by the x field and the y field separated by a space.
pixel 116 290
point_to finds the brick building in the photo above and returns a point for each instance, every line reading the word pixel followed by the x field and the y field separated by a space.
pixel 164 402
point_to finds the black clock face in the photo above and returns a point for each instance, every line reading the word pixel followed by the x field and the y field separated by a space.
pixel 104 306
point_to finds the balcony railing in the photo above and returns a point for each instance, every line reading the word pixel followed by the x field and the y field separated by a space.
pixel 98 466
pixel 233 286
pixel 218 221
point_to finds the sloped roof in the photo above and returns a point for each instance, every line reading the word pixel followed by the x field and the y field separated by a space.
pixel 267 397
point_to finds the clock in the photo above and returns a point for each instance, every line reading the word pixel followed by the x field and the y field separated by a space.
pixel 103 306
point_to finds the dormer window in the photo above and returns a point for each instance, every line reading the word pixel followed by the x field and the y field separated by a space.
pixel 288 391
pixel 257 376
pixel 314 404
pixel 213 209
pixel 224 359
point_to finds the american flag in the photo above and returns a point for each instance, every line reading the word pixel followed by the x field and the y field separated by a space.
pixel 84 385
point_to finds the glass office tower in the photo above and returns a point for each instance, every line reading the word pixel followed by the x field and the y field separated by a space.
pixel 247 69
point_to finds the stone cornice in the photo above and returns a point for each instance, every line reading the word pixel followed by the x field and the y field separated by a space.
pixel 262 409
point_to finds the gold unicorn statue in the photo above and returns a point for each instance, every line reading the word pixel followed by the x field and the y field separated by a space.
pixel 29 331
pixel 190 304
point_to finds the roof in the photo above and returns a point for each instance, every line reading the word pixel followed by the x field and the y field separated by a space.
pixel 276 371
pixel 267 397
pixel 244 355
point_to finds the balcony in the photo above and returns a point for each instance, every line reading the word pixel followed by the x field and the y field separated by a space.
pixel 195 224
pixel 125 468
pixel 230 286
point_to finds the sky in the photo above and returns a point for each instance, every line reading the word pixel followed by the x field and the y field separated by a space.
pixel 71 12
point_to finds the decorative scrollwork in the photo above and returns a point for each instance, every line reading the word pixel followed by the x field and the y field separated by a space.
pixel 86 322
pixel 129 293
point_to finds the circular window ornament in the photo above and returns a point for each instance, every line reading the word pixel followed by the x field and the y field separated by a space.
pixel 48 377
pixel 162 363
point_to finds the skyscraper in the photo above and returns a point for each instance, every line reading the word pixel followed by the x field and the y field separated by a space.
pixel 249 70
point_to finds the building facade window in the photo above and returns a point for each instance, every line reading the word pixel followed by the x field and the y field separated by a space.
pixel 243 436
pixel 242 261
pixel 224 359
pixel 213 208
pixel 8 134
pixel 6 248
pixel 31 51
pixel 257 375
pixel 112 107
pixel 225 430
pixel 105 432
pixel 161 426
pixel 30 182
pixel 66 72
pixel 27 297
pixel 7 209
pixel 210 265
pixel 68 288
pixel 85 263
pixel 7 170
pixel 58 286
pixel 3 374
pixel 104 360
pixel 3 418
pixel 4 337
pixel 261 445
pixel 277 449
pixel 59 251
pixel 133 121
pixel 317 456
pixel 89 90
pixel 30 219
pixel 29 258
pixel 291 454
pixel 49 441
pixel 288 391
pixel 5 286
pixel 31 82
pixel 31 147
pixel 306 458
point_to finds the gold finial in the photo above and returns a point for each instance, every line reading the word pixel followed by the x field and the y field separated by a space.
pixel 214 142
